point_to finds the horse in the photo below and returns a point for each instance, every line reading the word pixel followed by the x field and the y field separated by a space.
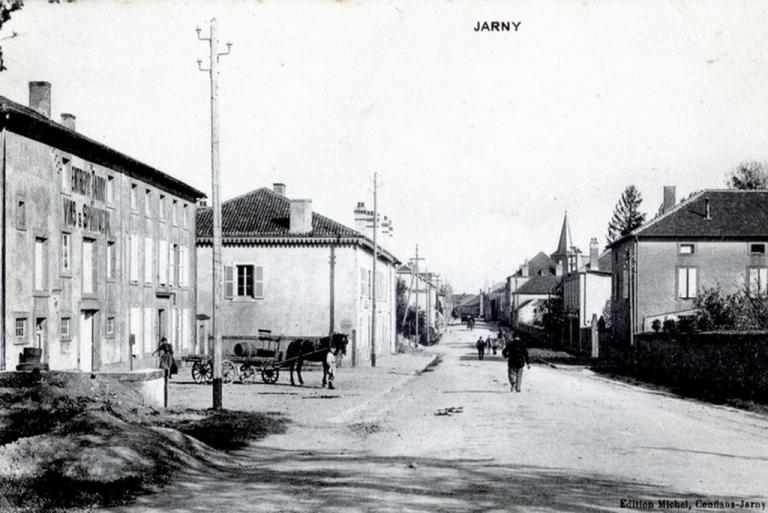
pixel 314 351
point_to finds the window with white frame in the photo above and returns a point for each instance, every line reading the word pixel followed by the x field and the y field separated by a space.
pixel 175 212
pixel 758 280
pixel 110 189
pixel 88 267
pixel 686 282
pixel 21 214
pixel 133 257
pixel 66 253
pixel 185 216
pixel 173 278
pixel 21 329
pixel 134 196
pixel 686 249
pixel 109 327
pixel 40 264
pixel 244 281
pixel 65 328
pixel 111 261
pixel 148 271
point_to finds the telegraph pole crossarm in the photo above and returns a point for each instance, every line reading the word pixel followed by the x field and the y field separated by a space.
pixel 213 72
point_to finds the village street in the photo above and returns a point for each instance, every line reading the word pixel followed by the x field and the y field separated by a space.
pixel 454 438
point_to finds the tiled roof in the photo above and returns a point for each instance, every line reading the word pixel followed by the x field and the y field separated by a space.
pixel 734 214
pixel 539 285
pixel 264 213
pixel 30 123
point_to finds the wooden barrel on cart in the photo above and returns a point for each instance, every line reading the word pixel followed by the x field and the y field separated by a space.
pixel 253 349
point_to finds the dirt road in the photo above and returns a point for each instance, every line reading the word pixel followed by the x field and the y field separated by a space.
pixel 455 438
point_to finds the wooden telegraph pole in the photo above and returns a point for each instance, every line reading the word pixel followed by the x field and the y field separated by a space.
pixel 418 279
pixel 213 71
pixel 375 261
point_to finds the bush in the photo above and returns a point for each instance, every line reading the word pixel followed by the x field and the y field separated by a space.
pixel 669 326
pixel 743 310
pixel 656 325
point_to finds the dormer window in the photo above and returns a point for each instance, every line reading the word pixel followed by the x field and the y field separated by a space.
pixel 686 249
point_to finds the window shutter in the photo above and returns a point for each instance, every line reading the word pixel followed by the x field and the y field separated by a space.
pixel 763 279
pixel 692 282
pixel 229 281
pixel 258 286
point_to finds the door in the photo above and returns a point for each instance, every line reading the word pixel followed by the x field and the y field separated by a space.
pixel 85 350
pixel 40 340
pixel 162 324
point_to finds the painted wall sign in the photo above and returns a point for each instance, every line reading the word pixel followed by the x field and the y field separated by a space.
pixel 87 217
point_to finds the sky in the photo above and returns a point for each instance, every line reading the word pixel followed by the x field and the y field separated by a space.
pixel 481 140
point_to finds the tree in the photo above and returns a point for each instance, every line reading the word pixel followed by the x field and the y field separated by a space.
pixel 626 215
pixel 6 8
pixel 401 302
pixel 749 176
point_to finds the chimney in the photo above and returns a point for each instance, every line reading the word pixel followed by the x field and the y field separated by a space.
pixel 68 120
pixel 707 209
pixel 594 254
pixel 524 269
pixel 40 98
pixel 669 198
pixel 279 188
pixel 363 219
pixel 202 202
pixel 301 216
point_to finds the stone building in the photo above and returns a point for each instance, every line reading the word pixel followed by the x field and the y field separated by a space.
pixel 98 248
pixel 294 272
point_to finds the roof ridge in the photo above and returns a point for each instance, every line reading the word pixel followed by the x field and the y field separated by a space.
pixel 656 219
pixel 243 195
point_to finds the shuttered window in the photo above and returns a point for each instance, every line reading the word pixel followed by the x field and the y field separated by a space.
pixel 134 257
pixel 148 260
pixel 244 281
pixel 686 282
pixel 758 280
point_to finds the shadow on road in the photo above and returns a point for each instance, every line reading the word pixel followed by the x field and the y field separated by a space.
pixel 276 480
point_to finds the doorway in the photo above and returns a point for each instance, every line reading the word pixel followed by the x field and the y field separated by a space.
pixel 85 347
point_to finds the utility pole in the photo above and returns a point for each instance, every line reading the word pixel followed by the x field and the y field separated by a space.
pixel 428 312
pixel 375 260
pixel 213 71
pixel 418 279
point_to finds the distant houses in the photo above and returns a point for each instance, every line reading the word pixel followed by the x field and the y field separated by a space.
pixel 715 238
pixel 294 272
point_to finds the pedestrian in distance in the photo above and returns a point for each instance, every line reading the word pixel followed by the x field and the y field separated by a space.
pixel 330 360
pixel 167 363
pixel 516 354
pixel 488 345
pixel 495 344
pixel 480 345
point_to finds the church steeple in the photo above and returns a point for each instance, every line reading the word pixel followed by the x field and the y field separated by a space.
pixel 565 245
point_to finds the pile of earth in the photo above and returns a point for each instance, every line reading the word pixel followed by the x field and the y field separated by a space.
pixel 68 442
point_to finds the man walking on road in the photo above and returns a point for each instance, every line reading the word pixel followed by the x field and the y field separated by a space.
pixel 516 354
pixel 480 345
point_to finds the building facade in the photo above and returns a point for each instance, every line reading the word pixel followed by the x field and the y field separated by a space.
pixel 585 295
pixel 717 238
pixel 98 248
pixel 294 272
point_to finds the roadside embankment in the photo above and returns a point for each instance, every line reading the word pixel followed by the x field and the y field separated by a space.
pixel 67 444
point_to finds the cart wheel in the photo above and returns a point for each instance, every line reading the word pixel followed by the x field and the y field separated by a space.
pixel 228 372
pixel 247 373
pixel 269 374
pixel 198 372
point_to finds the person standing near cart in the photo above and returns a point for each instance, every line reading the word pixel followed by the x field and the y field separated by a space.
pixel 516 354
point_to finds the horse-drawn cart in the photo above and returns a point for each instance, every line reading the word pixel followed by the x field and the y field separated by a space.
pixel 244 359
